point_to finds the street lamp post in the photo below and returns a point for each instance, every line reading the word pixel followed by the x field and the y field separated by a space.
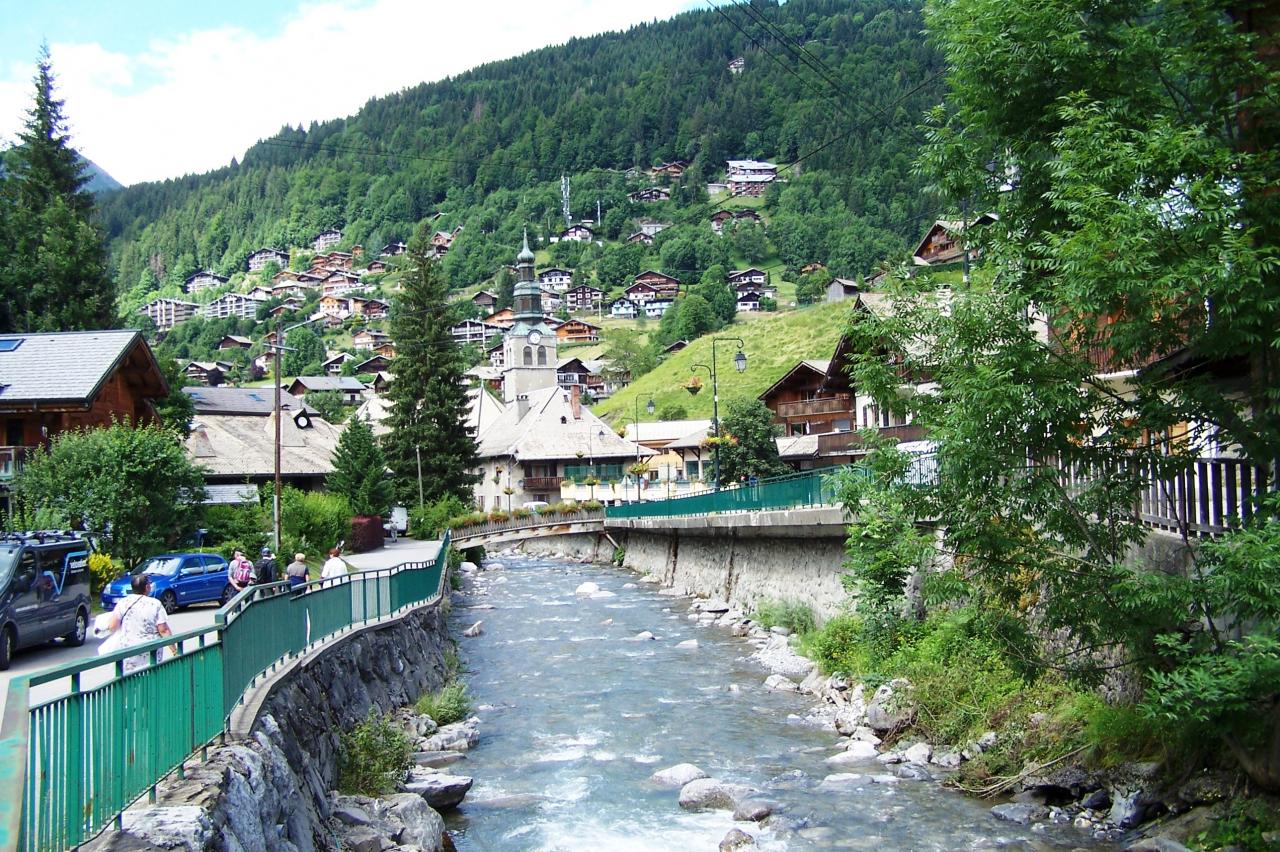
pixel 740 364
pixel 649 407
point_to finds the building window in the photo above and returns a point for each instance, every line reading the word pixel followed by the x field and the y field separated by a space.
pixel 542 356
pixel 528 356
pixel 840 426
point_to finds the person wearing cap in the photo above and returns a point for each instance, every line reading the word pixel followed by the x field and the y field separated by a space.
pixel 266 570
pixel 296 570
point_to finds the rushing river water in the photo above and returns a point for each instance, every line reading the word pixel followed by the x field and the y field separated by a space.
pixel 576 715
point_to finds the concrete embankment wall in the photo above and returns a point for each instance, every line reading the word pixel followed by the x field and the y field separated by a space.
pixel 792 555
pixel 268 788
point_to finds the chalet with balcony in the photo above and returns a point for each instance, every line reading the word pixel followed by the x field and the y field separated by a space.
pixel 367 339
pixel 504 318
pixel 650 194
pixel 497 358
pixel 335 306
pixel 290 304
pixel 53 383
pixel 326 240
pixel 640 294
pixel 340 283
pixel 555 278
pixel 802 406
pixel 752 276
pixel 674 169
pixel 374 267
pixel 474 332
pixel 577 233
pixel 656 307
pixel 551 300
pixel 393 249
pixel 211 373
pixel 942 242
pixel 722 219
pixel 368 308
pixel 386 349
pixel 577 331
pixel 624 307
pixel 737 65
pixel 641 237
pixel 748 300
pixel 166 313
pixel 260 258
pixel 485 299
pixel 332 366
pixel 584 297
pixel 376 364
pixel 541 439
pixel 663 285
pixel 348 387
pixel 749 186
pixel 203 280
pixel 234 341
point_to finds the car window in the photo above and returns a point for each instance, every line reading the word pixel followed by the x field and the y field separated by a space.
pixel 213 563
pixel 165 565
pixel 192 565
pixel 8 559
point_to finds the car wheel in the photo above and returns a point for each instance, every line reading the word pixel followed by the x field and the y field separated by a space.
pixel 78 633
pixel 6 648
pixel 228 592
pixel 169 601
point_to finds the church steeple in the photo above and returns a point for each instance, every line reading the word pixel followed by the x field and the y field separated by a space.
pixel 527 296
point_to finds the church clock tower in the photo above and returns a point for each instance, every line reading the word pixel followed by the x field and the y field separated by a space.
pixel 529 346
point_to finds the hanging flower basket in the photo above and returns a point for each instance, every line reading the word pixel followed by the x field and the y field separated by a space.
pixel 638 469
pixel 693 385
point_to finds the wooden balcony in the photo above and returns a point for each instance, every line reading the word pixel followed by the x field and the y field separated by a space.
pixel 842 404
pixel 542 483
pixel 846 443
pixel 11 460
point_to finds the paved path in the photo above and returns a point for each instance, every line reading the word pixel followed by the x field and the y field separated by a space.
pixel 404 550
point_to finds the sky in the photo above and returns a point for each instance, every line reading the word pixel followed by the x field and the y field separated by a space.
pixel 157 89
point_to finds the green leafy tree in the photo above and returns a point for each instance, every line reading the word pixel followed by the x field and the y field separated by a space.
pixel 673 411
pixel 176 409
pixel 329 404
pixel 53 264
pixel 360 471
pixel 504 284
pixel 134 488
pixel 747 447
pixel 304 350
pixel 428 396
pixel 628 353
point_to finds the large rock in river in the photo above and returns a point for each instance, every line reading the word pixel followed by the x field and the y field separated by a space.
pixel 706 794
pixel 678 775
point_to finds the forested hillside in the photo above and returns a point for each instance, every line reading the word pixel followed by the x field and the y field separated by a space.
pixel 486 149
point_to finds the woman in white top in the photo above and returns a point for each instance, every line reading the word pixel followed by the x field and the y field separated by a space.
pixel 140 619
pixel 333 566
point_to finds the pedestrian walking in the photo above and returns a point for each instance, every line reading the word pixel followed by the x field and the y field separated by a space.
pixel 240 572
pixel 296 570
pixel 334 566
pixel 140 618
pixel 266 571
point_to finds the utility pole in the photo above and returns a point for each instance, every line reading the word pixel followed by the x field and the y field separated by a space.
pixel 275 505
pixel 740 364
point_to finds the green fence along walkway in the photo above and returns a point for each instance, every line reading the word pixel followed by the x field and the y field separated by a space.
pixel 810 488
pixel 72 764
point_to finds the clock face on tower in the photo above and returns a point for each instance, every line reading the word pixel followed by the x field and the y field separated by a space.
pixel 535 337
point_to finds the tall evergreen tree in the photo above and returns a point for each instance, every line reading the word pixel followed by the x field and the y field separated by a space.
pixel 360 471
pixel 428 397
pixel 53 268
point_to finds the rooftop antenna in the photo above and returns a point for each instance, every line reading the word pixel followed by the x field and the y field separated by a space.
pixel 564 199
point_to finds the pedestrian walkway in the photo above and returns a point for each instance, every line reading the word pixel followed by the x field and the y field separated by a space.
pixel 390 555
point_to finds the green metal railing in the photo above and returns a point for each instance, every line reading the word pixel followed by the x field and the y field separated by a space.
pixel 71 764
pixel 810 488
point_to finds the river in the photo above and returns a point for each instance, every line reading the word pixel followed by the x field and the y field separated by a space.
pixel 576 715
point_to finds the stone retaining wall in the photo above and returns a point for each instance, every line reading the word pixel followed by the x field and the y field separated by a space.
pixel 270 791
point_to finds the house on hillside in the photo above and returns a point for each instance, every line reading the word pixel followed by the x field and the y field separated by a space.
pixel 941 243
pixel 802 405
pixel 335 306
pixel 374 267
pixel 233 305
pixel 750 177
pixel 367 339
pixel 473 331
pixel 673 348
pixel 841 289
pixel 326 239
pixel 362 306
pixel 748 300
pixel 663 285
pixel 753 276
pixel 393 249
pixel 656 307
pixel 721 219
pixel 234 341
pixel 212 373
pixel 577 331
pixel 641 237
pixel 203 280
pixel 386 349
pixel 233 438
pixel 288 305
pixel 737 65
pixel 577 233
pixel 675 169
pixel 551 300
pixel 56 382
pixel 624 307
pixel 504 318
pixel 556 278
pixel 340 283
pixel 374 365
pixel 263 256
pixel 166 313
pixel 348 386
pixel 332 366
pixel 485 299
pixel 650 194
pixel 584 297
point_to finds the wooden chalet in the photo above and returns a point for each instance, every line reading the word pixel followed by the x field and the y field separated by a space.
pixel 504 318
pixel 485 299
pixel 332 366
pixel 234 341
pixel 650 194
pixel 260 258
pixel 376 364
pixel 640 294
pixel 941 243
pixel 366 339
pixel 203 280
pixel 212 373
pixel 752 276
pixel 577 331
pixel 675 168
pixel 577 233
pixel 584 297
pixel 393 249
pixel 802 405
pixel 624 307
pixel 641 237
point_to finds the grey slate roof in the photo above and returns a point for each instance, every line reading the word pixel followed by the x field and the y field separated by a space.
pixel 327 383
pixel 60 366
pixel 223 400
pixel 229 445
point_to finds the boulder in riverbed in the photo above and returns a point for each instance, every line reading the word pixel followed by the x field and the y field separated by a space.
pixel 737 839
pixel 474 630
pixel 678 775
pixel 690 644
pixel 423 827
pixel 587 589
pixel 781 683
pixel 705 794
pixel 439 790
pixel 889 708
pixel 1021 813
pixel 754 810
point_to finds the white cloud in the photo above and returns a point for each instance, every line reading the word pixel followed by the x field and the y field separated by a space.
pixel 190 104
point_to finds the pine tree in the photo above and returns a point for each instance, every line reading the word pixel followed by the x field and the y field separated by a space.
pixel 53 264
pixel 360 471
pixel 428 397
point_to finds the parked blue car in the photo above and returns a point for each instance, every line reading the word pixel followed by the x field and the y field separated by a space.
pixel 178 580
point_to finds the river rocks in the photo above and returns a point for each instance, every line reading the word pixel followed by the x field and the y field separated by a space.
pixel 781 683
pixel 587 589
pixel 889 708
pixel 912 772
pixel 1157 844
pixel 737 839
pixel 754 810
pixel 856 753
pixel 347 812
pixel 423 827
pixel 778 657
pixel 364 838
pixel 643 636
pixel 704 794
pixel 948 759
pixel 688 644
pixel 779 630
pixel 165 827
pixel 460 736
pixel 474 630
pixel 1021 813
pixel 841 781
pixel 439 790
pixel 918 754
pixel 602 594
pixel 678 775
pixel 714 606
pixel 436 759
pixel 468 567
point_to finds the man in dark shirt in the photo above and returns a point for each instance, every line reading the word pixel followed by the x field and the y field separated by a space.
pixel 266 569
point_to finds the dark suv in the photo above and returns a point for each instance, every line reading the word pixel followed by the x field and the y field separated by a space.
pixel 44 590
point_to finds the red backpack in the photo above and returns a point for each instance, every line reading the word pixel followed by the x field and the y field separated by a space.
pixel 242 571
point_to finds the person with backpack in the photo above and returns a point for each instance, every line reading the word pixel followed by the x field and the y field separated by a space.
pixel 266 571
pixel 240 573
